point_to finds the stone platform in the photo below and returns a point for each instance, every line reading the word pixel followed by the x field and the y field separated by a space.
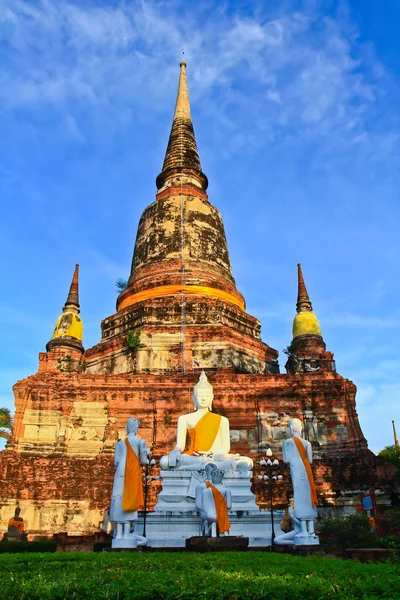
pixel 218 544
pixel 175 518
pixel 171 529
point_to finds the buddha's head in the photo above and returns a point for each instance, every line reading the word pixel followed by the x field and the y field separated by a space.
pixel 213 474
pixel 295 426
pixel 17 511
pixel 132 425
pixel 203 393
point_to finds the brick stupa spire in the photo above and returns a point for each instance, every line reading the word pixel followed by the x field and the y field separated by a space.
pixel 181 287
pixel 307 350
pixel 182 162
pixel 68 332
pixel 303 299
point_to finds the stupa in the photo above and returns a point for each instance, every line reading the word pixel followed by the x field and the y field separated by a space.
pixel 182 310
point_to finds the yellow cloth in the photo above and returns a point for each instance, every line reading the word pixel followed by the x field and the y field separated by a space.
pixel 306 462
pixel 202 436
pixel 18 524
pixel 221 509
pixel 132 498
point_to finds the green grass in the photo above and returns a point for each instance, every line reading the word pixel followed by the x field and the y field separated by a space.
pixel 241 575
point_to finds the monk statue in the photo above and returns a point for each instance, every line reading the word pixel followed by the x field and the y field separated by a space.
pixel 15 530
pixel 297 452
pixel 209 437
pixel 127 494
pixel 213 501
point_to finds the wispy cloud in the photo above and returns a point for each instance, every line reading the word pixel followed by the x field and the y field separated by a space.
pixel 299 68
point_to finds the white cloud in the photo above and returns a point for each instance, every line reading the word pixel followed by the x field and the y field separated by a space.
pixel 116 57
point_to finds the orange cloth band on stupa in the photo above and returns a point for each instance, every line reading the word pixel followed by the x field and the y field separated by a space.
pixel 202 436
pixel 132 498
pixel 306 462
pixel 168 290
pixel 221 509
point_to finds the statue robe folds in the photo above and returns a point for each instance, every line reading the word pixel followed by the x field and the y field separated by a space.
pixel 221 508
pixel 127 496
pixel 202 436
pixel 304 493
pixel 17 524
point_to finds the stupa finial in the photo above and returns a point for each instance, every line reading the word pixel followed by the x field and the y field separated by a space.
pixel 72 303
pixel 182 162
pixel 303 299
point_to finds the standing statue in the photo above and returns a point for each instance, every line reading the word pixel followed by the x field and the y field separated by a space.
pixel 127 494
pixel 213 501
pixel 209 437
pixel 297 452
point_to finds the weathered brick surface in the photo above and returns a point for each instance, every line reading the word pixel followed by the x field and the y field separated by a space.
pixel 70 465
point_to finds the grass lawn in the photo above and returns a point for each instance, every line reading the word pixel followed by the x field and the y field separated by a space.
pixel 119 576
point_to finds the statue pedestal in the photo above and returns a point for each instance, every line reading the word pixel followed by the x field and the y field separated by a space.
pixel 306 539
pixel 175 517
pixel 131 544
pixel 218 544
pixel 178 491
pixel 15 537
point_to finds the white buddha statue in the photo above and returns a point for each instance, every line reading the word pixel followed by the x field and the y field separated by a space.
pixel 297 452
pixel 213 500
pixel 209 437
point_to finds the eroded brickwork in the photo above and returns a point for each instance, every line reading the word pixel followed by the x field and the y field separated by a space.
pixel 59 459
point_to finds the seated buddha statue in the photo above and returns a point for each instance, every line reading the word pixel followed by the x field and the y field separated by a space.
pixel 209 437
pixel 15 532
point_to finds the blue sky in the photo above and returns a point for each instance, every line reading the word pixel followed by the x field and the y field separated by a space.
pixel 295 108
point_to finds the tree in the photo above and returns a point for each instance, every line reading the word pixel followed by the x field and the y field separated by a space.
pixel 392 455
pixel 121 285
pixel 6 423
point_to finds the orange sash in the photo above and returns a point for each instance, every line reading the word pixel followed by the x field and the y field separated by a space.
pixel 306 462
pixel 18 524
pixel 221 509
pixel 132 498
pixel 203 435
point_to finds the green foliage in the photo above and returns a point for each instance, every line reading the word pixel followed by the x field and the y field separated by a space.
pixel 17 547
pixel 390 522
pixel 167 576
pixel 389 541
pixel 64 364
pixel 6 423
pixel 121 285
pixel 392 455
pixel 133 341
pixel 288 350
pixel 353 531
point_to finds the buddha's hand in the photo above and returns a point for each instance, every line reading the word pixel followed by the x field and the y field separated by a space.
pixel 174 457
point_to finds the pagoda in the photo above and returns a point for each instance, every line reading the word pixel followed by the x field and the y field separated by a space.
pixel 180 311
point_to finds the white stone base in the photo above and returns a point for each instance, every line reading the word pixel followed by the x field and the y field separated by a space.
pixel 121 543
pixel 171 529
pixel 306 539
